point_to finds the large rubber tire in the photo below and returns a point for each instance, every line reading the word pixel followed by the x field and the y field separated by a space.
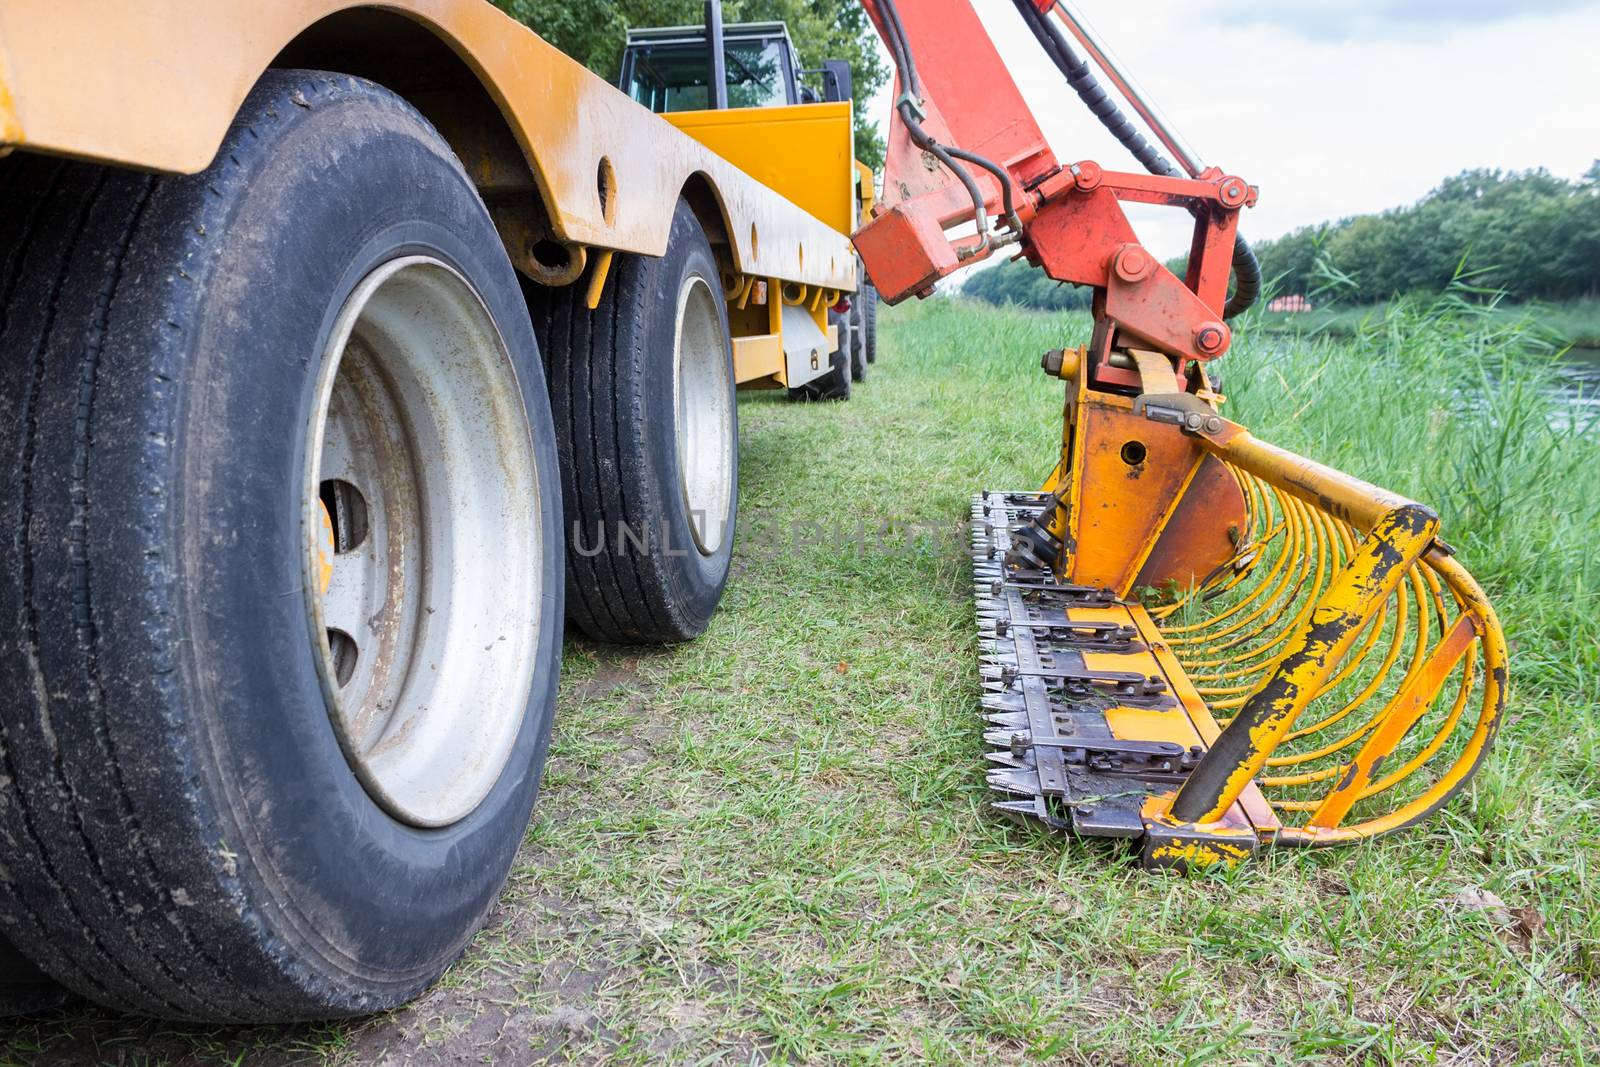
pixel 181 832
pixel 856 337
pixel 635 572
pixel 869 319
pixel 24 988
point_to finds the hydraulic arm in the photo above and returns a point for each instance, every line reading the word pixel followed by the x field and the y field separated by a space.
pixel 1189 637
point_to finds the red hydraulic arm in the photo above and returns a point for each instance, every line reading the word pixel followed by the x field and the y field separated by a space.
pixel 959 124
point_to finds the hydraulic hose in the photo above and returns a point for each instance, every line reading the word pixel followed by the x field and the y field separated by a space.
pixel 1080 75
pixel 911 90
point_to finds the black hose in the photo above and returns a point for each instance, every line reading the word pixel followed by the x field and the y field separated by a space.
pixel 1246 278
pixel 1000 174
pixel 943 155
pixel 910 80
pixel 1079 75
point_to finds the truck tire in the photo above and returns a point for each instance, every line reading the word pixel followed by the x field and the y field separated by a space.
pixel 834 385
pixel 280 568
pixel 643 393
pixel 24 989
pixel 855 319
pixel 869 319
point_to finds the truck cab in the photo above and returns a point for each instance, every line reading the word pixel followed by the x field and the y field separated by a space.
pixel 668 69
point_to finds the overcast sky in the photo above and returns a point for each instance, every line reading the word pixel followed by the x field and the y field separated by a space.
pixel 1333 108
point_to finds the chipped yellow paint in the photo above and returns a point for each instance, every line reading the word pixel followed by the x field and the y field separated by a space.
pixel 1199 855
pixel 325 548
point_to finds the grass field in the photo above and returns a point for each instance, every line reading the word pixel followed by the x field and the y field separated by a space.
pixel 773 843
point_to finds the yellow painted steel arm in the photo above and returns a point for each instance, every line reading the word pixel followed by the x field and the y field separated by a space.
pixel 1313 654
pixel 1286 672
pixel 154 84
pixel 1399 531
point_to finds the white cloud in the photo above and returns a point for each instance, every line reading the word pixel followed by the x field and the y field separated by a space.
pixel 1334 109
pixel 1343 20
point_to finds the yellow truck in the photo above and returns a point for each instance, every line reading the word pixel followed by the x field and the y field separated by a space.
pixel 667 69
pixel 345 351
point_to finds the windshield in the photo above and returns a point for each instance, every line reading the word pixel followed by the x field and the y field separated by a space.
pixel 673 77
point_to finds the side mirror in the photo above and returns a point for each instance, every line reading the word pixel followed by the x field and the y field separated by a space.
pixel 836 80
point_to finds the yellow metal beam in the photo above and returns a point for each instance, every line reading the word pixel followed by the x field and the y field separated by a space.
pixel 757 357
pixel 155 84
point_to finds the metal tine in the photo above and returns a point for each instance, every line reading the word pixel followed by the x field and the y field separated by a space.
pixel 1002 738
pixel 1024 808
pixel 1019 781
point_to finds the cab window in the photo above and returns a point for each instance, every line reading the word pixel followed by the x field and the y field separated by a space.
pixel 673 77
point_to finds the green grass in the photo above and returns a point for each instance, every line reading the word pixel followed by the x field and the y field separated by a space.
pixel 773 843
pixel 1572 322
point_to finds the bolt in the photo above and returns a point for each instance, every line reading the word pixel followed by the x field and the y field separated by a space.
pixel 1191 421
pixel 1051 362
pixel 1211 337
pixel 1133 263
pixel 1213 424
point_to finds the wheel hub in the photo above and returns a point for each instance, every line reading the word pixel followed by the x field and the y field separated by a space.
pixel 424 545
pixel 704 410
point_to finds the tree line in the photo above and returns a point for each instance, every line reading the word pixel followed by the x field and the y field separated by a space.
pixel 1015 282
pixel 594 31
pixel 1528 233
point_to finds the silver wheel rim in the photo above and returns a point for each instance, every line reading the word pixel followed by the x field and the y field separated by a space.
pixel 424 548
pixel 704 403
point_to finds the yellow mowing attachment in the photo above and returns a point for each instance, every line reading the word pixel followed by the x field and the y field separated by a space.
pixel 1356 667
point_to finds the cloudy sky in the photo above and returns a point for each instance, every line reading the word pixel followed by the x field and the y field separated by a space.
pixel 1334 108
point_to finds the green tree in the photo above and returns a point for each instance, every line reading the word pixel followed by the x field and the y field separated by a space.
pixel 1015 282
pixel 1529 233
pixel 594 31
